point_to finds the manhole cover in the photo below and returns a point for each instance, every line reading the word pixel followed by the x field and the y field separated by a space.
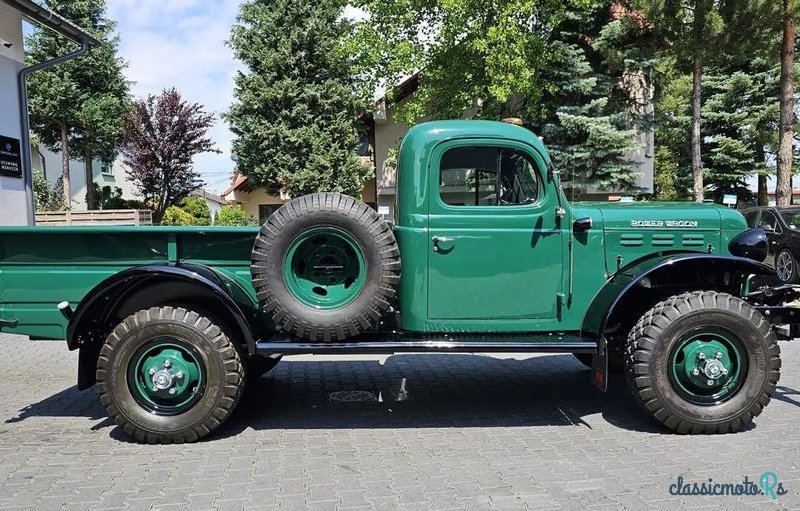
pixel 353 396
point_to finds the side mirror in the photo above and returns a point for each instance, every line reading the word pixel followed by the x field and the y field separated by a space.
pixel 768 228
pixel 582 224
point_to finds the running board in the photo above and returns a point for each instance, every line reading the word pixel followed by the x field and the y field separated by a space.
pixel 394 343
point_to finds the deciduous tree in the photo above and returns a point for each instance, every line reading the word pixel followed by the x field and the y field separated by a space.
pixel 783 192
pixel 162 134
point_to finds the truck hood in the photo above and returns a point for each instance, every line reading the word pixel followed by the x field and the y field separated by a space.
pixel 637 229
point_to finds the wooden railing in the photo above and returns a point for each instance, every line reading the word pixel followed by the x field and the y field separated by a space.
pixel 97 217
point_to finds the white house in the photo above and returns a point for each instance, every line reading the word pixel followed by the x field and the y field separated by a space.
pixel 16 197
pixel 113 175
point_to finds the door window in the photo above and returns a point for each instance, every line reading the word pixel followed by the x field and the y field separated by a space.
pixel 487 176
pixel 769 218
pixel 750 218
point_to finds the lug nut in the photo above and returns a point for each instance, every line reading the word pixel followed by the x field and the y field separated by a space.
pixel 696 371
pixel 179 375
pixel 719 355
pixel 701 356
pixel 167 363
pixel 172 390
pixel 710 382
pixel 152 371
pixel 724 372
pixel 155 389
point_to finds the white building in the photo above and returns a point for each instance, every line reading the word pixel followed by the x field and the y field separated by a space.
pixel 113 175
pixel 16 197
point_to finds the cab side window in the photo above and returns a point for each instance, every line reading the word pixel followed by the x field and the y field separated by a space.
pixel 487 176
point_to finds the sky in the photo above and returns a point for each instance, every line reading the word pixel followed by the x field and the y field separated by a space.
pixel 181 44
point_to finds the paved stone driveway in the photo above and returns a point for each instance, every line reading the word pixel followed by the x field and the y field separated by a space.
pixel 442 432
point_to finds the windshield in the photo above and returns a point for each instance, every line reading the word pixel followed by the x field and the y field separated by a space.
pixel 791 217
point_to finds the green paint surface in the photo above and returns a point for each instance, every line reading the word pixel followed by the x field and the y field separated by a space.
pixel 502 269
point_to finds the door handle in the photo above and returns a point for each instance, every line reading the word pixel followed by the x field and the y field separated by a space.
pixel 442 243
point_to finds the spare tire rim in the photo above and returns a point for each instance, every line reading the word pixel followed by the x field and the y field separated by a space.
pixel 708 366
pixel 166 376
pixel 325 268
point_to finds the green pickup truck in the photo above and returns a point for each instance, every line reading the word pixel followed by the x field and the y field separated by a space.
pixel 486 255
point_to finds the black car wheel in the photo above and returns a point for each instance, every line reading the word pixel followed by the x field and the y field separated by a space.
pixel 786 266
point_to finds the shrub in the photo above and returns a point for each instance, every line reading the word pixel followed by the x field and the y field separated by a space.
pixel 232 216
pixel 177 216
pixel 198 208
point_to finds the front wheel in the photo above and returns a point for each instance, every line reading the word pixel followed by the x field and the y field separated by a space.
pixel 702 362
pixel 169 375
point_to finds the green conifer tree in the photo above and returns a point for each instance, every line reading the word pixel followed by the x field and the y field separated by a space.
pixel 77 107
pixel 296 103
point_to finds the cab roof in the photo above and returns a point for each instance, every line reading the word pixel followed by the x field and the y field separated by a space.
pixel 469 128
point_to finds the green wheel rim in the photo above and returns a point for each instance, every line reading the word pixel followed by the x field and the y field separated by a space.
pixel 325 268
pixel 166 376
pixel 707 367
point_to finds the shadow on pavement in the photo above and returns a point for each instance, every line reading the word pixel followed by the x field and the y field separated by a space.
pixel 419 391
pixel 406 391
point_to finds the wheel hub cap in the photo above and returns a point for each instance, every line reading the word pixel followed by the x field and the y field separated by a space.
pixel 167 377
pixel 325 268
pixel 707 367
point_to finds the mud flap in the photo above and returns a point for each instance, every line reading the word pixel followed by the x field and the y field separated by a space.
pixel 600 365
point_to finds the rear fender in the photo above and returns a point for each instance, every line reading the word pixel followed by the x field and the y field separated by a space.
pixel 193 286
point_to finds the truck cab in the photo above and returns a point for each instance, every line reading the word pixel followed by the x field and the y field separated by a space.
pixel 489 243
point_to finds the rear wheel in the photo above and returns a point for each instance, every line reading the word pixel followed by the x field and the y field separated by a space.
pixel 169 375
pixel 325 267
pixel 703 362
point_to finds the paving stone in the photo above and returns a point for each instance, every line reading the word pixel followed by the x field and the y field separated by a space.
pixel 476 433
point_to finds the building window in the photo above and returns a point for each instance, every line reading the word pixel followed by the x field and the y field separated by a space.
pixel 265 210
pixel 106 169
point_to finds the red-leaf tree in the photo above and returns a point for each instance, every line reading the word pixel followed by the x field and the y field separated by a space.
pixel 161 137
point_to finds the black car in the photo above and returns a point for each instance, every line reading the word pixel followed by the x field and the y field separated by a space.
pixel 782 225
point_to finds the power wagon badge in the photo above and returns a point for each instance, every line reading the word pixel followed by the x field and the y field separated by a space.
pixel 690 224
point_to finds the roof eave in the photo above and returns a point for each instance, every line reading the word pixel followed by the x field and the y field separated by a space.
pixel 47 18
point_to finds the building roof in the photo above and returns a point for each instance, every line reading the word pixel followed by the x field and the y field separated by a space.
pixel 210 196
pixel 47 18
pixel 240 183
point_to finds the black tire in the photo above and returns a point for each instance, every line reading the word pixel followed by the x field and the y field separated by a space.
pixel 653 339
pixel 615 364
pixel 259 366
pixel 372 236
pixel 221 367
pixel 786 267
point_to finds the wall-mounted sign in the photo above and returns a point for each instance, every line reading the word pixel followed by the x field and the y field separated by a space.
pixel 10 157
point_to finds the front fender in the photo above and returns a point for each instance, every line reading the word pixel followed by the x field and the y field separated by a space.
pixel 638 286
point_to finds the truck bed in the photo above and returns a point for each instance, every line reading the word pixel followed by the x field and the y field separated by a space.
pixel 42 266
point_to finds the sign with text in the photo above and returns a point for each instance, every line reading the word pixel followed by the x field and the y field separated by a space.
pixel 10 157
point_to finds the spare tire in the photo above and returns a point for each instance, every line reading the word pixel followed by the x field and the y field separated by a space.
pixel 325 267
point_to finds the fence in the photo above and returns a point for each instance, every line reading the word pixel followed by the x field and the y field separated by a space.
pixel 98 217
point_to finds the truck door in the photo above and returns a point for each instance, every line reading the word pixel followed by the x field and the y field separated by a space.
pixel 494 250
